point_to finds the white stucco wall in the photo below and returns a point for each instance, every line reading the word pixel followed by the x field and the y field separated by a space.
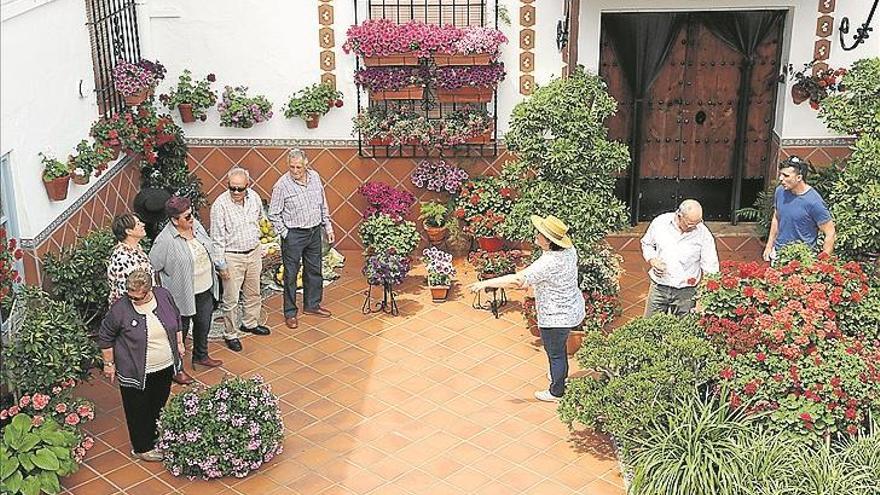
pixel 792 121
pixel 272 47
pixel 44 53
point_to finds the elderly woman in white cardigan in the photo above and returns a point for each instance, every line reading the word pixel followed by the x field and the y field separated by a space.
pixel 185 258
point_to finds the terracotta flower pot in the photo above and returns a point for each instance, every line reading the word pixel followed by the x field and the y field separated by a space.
pixel 799 94
pixel 475 59
pixel 80 180
pixel 574 342
pixel 312 121
pixel 409 58
pixel 439 293
pixel 57 188
pixel 137 98
pixel 436 235
pixel 464 95
pixel 490 244
pixel 186 113
pixel 116 149
pixel 408 93
pixel 385 141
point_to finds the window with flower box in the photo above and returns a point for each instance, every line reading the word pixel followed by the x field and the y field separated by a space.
pixel 113 31
pixel 436 100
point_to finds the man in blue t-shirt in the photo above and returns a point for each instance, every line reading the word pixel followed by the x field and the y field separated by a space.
pixel 799 212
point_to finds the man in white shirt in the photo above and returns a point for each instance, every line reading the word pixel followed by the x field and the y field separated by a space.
pixel 680 249
pixel 235 227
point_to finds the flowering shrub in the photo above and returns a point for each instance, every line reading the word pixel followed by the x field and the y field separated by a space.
pixel 483 204
pixel 438 176
pixel 382 37
pixel 237 109
pixel 389 78
pixel 130 79
pixel 314 100
pixel 155 68
pixel 386 268
pixel 495 263
pixel 386 200
pixel 817 86
pixel 382 234
pixel 198 94
pixel 10 253
pixel 783 330
pixel 439 266
pixel 599 271
pixel 149 131
pixel 112 131
pixel 463 125
pixel 229 429
pixel 469 76
pixel 36 454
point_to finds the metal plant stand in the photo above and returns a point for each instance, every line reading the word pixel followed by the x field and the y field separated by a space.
pixel 493 304
pixel 388 304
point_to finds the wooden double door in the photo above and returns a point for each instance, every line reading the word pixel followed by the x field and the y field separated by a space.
pixel 690 123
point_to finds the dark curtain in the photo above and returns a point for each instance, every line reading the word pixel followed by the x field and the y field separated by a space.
pixel 743 31
pixel 641 41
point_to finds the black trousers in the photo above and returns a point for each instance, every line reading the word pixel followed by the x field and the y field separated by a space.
pixel 201 323
pixel 302 246
pixel 142 408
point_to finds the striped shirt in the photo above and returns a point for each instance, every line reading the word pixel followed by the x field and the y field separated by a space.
pixel 298 206
pixel 236 227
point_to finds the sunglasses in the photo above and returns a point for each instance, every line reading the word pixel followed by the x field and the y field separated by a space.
pixel 238 189
pixel 187 217
pixel 139 299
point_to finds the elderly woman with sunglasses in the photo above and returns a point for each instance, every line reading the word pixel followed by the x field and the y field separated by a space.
pixel 142 347
pixel 185 258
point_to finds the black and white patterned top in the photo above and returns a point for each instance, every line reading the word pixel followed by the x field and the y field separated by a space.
pixel 558 299
pixel 123 260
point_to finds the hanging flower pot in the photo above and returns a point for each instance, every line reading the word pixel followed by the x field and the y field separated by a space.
pixel 436 235
pixel 799 94
pixel 407 93
pixel 312 121
pixel 186 112
pixel 464 95
pixel 379 141
pixel 490 244
pixel 137 98
pixel 57 188
pixel 116 149
pixel 81 180
pixel 408 58
pixel 439 293
pixel 475 59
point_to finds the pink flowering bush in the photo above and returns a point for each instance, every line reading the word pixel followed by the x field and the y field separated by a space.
pixel 229 429
pixel 384 199
pixel 382 37
pixel 439 176
pixel 130 79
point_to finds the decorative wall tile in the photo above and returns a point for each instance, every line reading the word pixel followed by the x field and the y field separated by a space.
pixel 526 62
pixel 325 14
pixel 824 30
pixel 826 6
pixel 325 37
pixel 527 13
pixel 526 84
pixel 328 60
pixel 822 49
pixel 327 41
pixel 824 26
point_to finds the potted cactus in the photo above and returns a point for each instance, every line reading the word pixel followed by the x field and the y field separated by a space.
pixel 311 102
pixel 56 177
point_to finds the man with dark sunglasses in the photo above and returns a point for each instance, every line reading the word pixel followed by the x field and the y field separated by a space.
pixel 799 212
pixel 235 227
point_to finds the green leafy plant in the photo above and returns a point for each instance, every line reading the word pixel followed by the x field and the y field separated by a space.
pixel 854 200
pixel 642 369
pixel 198 94
pixel 171 172
pixel 314 100
pixel 856 110
pixel 433 213
pixel 381 234
pixel 483 204
pixel 53 168
pixel 89 158
pixel 52 345
pixel 228 429
pixel 78 274
pixel 34 457
pixel 237 109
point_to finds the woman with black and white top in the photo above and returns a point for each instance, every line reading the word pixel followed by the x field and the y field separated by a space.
pixel 558 299
pixel 183 256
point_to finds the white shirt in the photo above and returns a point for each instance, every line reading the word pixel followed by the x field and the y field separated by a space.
pixel 687 255
pixel 558 299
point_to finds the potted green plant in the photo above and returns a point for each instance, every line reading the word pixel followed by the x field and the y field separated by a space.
pixel 433 215
pixel 88 159
pixel 382 234
pixel 311 102
pixel 191 98
pixel 237 109
pixel 56 177
pixel 491 264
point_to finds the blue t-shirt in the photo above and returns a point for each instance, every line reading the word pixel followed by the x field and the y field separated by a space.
pixel 799 216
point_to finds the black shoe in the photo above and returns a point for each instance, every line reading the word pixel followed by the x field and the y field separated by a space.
pixel 233 344
pixel 257 330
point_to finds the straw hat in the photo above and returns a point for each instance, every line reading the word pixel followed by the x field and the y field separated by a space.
pixel 553 229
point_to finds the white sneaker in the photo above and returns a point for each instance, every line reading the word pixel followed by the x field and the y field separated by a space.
pixel 149 456
pixel 549 377
pixel 546 396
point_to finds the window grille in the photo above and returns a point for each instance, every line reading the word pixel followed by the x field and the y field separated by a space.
pixel 113 30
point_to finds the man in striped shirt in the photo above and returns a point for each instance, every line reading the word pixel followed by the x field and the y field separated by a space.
pixel 235 227
pixel 299 213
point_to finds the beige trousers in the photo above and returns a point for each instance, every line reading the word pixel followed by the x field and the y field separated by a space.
pixel 244 280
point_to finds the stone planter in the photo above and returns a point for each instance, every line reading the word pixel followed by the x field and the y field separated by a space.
pixel 574 342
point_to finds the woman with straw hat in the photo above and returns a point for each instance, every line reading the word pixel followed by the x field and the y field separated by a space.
pixel 558 299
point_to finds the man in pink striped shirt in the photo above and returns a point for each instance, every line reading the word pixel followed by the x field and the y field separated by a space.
pixel 300 214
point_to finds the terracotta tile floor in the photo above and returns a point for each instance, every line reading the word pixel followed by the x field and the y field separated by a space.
pixel 437 400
